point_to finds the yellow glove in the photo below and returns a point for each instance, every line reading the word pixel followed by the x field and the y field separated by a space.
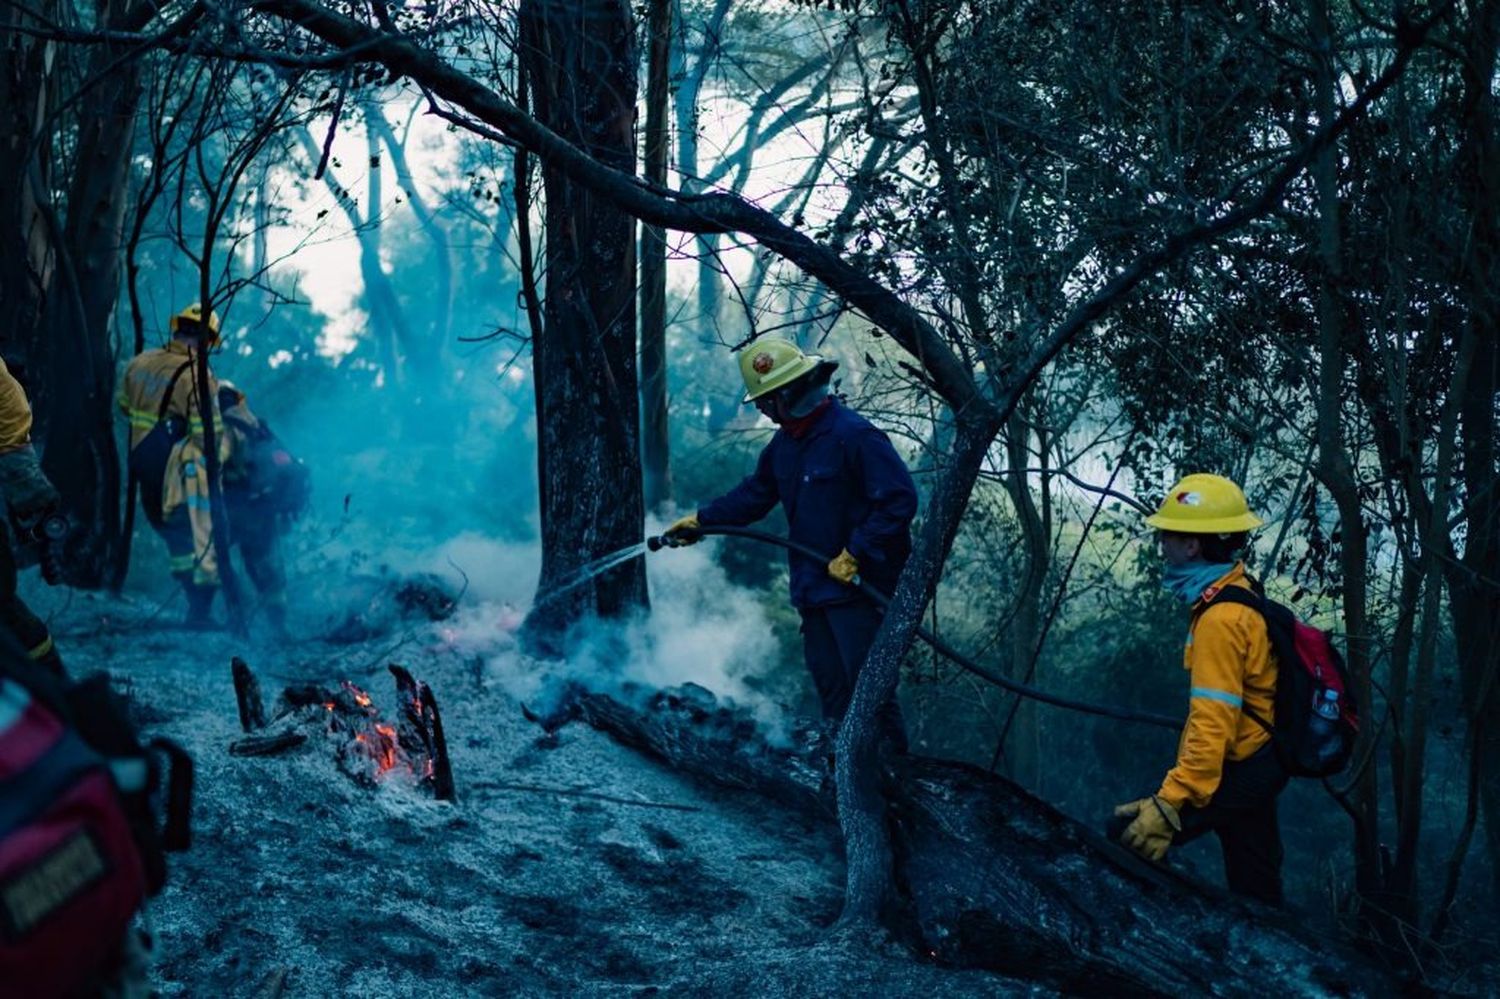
pixel 684 531
pixel 844 567
pixel 1155 823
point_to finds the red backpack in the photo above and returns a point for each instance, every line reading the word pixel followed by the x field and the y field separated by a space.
pixel 1317 719
pixel 80 847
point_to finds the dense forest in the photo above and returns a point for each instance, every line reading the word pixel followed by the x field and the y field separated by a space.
pixel 489 269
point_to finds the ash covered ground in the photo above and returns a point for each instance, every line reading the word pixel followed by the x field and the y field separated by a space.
pixel 303 882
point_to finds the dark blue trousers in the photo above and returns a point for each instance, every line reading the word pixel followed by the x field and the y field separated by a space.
pixel 1242 813
pixel 835 641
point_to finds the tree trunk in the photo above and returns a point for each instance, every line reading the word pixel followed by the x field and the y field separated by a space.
pixel 1334 469
pixel 686 102
pixel 424 356
pixel 77 409
pixel 861 805
pixel 26 251
pixel 403 352
pixel 1474 594
pixel 388 324
pixel 580 63
pixel 1021 755
pixel 655 439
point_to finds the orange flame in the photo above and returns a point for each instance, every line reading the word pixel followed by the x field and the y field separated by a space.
pixel 377 740
pixel 387 758
pixel 360 697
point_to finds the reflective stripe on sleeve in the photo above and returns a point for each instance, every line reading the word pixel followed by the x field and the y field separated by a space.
pixel 1234 700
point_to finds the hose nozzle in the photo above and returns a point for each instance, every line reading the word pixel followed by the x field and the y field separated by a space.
pixel 680 538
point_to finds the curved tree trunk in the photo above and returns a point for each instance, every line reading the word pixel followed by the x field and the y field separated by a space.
pixel 424 356
pixel 861 804
pixel 580 62
pixel 388 322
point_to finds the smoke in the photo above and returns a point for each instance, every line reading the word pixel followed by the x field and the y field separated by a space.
pixel 423 452
pixel 701 628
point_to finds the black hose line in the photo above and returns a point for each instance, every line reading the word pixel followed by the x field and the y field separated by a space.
pixel 942 647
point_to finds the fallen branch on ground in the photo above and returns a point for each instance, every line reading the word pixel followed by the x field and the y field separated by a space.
pixel 995 878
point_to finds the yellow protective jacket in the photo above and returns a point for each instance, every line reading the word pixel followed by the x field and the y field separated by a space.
pixel 146 379
pixel 15 413
pixel 185 481
pixel 1231 668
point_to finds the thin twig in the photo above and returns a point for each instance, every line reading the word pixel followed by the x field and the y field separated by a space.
pixel 563 792
pixel 333 127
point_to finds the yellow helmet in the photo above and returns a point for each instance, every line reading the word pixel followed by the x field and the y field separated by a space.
pixel 1204 504
pixel 194 314
pixel 771 363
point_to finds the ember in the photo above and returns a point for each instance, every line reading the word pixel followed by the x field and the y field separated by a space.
pixel 367 748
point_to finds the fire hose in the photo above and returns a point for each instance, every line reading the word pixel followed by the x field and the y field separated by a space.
pixel 659 542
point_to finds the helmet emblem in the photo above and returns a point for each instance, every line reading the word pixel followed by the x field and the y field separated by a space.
pixel 1189 499
pixel 763 363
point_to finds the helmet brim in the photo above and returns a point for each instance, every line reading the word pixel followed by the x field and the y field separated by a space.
pixel 1221 525
pixel 802 368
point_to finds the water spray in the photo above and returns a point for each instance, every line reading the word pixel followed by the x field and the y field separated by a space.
pixel 660 541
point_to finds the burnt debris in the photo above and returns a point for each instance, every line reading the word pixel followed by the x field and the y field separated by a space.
pixel 367 747
pixel 993 877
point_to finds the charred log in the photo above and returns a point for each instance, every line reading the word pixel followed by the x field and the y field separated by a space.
pixel 267 745
pixel 379 604
pixel 420 732
pixel 995 878
pixel 247 696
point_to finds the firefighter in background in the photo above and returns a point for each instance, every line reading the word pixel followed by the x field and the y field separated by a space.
pixel 159 394
pixel 265 489
pixel 31 501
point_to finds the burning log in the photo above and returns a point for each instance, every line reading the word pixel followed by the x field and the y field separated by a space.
pixel 247 696
pixel 421 732
pixel 366 747
pixel 996 878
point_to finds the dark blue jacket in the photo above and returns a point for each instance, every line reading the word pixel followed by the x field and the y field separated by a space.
pixel 842 486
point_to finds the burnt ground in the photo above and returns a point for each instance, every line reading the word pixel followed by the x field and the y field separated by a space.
pixel 302 879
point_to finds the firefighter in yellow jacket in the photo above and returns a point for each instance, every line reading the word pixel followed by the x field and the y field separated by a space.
pixel 30 499
pixel 1227 777
pixel 159 395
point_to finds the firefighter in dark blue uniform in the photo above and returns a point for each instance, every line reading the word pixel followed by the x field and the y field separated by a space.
pixel 844 490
